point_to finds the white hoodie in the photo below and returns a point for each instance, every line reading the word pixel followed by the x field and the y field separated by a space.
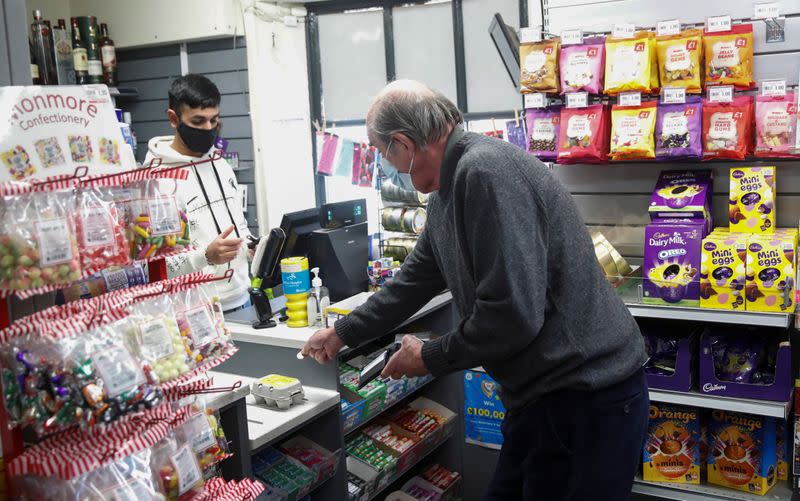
pixel 212 204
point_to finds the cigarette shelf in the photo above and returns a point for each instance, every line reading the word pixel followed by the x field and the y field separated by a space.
pixel 757 318
pixel 686 492
pixel 746 405
pixel 395 404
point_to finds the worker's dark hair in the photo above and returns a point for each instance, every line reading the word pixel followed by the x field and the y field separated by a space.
pixel 195 91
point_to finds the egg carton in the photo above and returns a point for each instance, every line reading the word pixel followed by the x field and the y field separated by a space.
pixel 278 391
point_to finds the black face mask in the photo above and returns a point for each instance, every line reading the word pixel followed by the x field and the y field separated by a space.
pixel 198 140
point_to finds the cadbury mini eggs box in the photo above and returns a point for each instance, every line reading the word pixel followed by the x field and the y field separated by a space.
pixel 672 450
pixel 771 272
pixel 742 451
pixel 723 271
pixel 671 267
pixel 751 207
pixel 682 193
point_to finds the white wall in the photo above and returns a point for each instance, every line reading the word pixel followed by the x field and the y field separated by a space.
pixel 52 10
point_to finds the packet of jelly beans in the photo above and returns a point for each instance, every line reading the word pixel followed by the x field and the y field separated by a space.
pixel 199 325
pixel 205 434
pixel 38 244
pixel 179 476
pixel 102 238
pixel 160 226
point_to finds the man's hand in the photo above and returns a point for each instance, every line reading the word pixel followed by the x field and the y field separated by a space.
pixel 324 345
pixel 407 361
pixel 222 250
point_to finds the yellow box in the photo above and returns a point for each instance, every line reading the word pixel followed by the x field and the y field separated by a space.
pixel 672 451
pixel 723 271
pixel 770 273
pixel 752 199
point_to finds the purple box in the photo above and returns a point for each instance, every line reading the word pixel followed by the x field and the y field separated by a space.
pixel 779 391
pixel 682 193
pixel 685 372
pixel 707 223
pixel 671 267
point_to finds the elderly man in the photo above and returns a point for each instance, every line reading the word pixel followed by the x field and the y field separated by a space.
pixel 537 313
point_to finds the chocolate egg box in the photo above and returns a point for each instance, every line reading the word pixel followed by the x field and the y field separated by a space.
pixel 672 451
pixel 671 267
pixel 682 193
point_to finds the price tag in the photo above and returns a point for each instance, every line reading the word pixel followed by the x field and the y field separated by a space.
pixel 535 100
pixel 773 88
pixel 623 30
pixel 54 242
pixel 156 340
pixel 673 95
pixel 118 370
pixel 98 228
pixel 201 328
pixel 767 10
pixel 164 217
pixel 720 94
pixel 671 27
pixel 186 468
pixel 630 99
pixel 530 35
pixel 577 99
pixel 571 37
pixel 718 23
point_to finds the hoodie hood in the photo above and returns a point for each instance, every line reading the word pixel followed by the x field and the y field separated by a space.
pixel 161 147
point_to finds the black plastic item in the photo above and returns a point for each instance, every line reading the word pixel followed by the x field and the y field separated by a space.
pixel 374 368
pixel 267 258
pixel 341 256
pixel 341 214
pixel 507 44
pixel 262 308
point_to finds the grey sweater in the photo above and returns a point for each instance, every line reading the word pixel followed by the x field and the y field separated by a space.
pixel 505 236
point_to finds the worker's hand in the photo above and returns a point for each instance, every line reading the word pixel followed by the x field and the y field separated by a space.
pixel 324 345
pixel 223 249
pixel 407 361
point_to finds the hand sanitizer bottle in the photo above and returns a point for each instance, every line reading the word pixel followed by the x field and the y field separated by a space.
pixel 318 300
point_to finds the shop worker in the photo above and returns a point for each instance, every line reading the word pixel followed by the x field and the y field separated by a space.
pixel 505 236
pixel 216 222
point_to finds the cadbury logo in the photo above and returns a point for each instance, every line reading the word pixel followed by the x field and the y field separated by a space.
pixel 709 387
pixel 710 246
pixel 737 174
pixel 755 247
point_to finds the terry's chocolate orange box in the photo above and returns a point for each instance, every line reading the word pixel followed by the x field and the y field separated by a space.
pixel 672 451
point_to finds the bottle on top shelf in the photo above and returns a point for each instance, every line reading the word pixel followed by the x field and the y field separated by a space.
pixel 93 53
pixel 108 55
pixel 62 53
pixel 43 49
pixel 35 80
pixel 79 58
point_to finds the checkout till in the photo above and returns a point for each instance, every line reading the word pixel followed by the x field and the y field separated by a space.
pixel 331 241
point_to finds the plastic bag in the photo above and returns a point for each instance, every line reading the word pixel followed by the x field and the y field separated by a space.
pixel 632 131
pixel 631 64
pixel 584 136
pixel 582 66
pixel 775 125
pixel 199 326
pixel 729 57
pixel 102 238
pixel 205 434
pixel 539 62
pixel 179 476
pixel 156 340
pixel 129 478
pixel 38 246
pixel 679 60
pixel 727 128
pixel 543 131
pixel 160 225
pixel 679 129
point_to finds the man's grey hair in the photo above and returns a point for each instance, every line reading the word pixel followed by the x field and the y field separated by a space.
pixel 411 108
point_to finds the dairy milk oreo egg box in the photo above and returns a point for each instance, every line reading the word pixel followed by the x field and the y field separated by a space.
pixel 671 265
pixel 682 193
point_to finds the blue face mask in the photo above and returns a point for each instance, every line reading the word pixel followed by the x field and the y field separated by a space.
pixel 399 179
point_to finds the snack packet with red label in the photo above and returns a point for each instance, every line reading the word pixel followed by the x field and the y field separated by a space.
pixel 727 128
pixel 729 57
pixel 632 131
pixel 583 136
pixel 582 66
pixel 775 125
pixel 543 132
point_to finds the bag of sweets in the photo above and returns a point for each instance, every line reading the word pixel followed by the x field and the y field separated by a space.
pixel 543 131
pixel 729 57
pixel 678 130
pixel 775 125
pixel 631 64
pixel 727 128
pixel 582 66
pixel 102 235
pixel 584 135
pixel 632 131
pixel 679 60
pixel 539 66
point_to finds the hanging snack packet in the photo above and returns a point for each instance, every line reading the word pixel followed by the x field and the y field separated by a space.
pixel 632 131
pixel 198 325
pixel 584 135
pixel 729 57
pixel 160 227
pixel 631 64
pixel 102 237
pixel 38 246
pixel 775 125
pixel 679 60
pixel 582 66
pixel 543 130
pixel 678 130
pixel 727 128
pixel 205 434
pixel 539 62
pixel 180 478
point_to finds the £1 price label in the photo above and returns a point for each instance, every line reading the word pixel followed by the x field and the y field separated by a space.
pixel 718 23
pixel 670 27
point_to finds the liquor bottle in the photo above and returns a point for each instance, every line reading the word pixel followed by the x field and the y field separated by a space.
pixel 79 58
pixel 42 48
pixel 34 67
pixel 62 52
pixel 108 55
pixel 93 53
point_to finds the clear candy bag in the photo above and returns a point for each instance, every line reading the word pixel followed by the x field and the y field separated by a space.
pixel 102 237
pixel 160 226
pixel 179 476
pixel 205 434
pixel 206 336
